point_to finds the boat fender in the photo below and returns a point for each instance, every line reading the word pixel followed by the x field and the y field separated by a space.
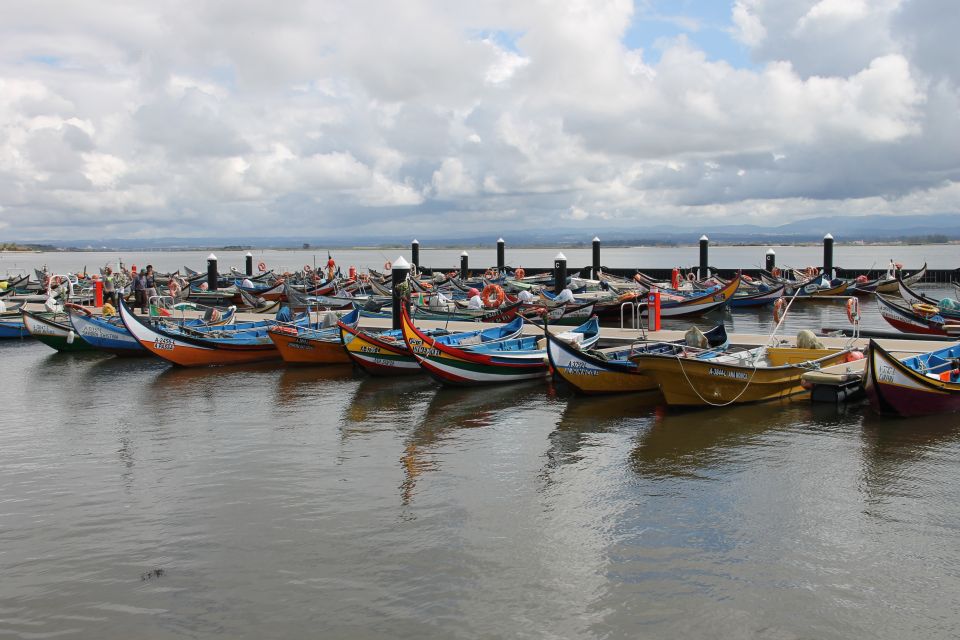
pixel 387 266
pixel 853 356
pixel 853 310
pixel 949 376
pixel 519 274
pixel 71 336
pixel 262 266
pixel 493 296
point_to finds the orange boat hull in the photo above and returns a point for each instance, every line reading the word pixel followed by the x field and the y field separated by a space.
pixel 297 350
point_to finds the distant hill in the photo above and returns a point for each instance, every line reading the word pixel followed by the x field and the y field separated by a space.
pixel 845 229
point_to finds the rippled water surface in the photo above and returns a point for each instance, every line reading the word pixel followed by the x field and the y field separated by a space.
pixel 144 501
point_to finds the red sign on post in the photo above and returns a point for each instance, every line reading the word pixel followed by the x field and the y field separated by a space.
pixel 653 310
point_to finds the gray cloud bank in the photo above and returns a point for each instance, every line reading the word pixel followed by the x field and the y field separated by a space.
pixel 137 119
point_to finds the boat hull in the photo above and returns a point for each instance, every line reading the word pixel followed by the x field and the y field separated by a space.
pixel 699 383
pixel 13 329
pixel 296 349
pixel 894 388
pixel 376 357
pixel 53 334
pixel 593 376
pixel 104 336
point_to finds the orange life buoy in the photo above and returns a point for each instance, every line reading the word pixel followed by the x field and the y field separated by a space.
pixel 387 266
pixel 853 310
pixel 776 272
pixel 493 296
pixel 778 307
pixel 519 274
pixel 690 276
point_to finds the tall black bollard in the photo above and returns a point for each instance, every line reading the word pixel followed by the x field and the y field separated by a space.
pixel 596 258
pixel 771 263
pixel 828 256
pixel 464 265
pixel 400 271
pixel 249 263
pixel 501 255
pixel 415 254
pixel 212 274
pixel 559 273
pixel 704 257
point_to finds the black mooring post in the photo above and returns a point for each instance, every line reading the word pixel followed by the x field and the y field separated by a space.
pixel 828 257
pixel 704 256
pixel 399 271
pixel 212 274
pixel 501 255
pixel 464 265
pixel 559 273
pixel 596 258
pixel 771 263
pixel 249 264
pixel 415 254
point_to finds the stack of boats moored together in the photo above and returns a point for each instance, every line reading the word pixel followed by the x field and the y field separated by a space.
pixel 531 329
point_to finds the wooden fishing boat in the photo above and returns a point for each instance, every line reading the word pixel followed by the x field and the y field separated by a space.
pixel 761 296
pixel 303 345
pixel 104 334
pixel 949 309
pixel 242 343
pixel 13 327
pixel 925 384
pixel 920 318
pixel 736 376
pixel 259 306
pixel 385 353
pixel 54 330
pixel 820 289
pixel 494 364
pixel 678 305
pixel 889 285
pixel 612 370
pixel 565 315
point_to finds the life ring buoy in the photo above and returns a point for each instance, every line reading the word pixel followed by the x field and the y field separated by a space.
pixel 853 310
pixel 490 274
pixel 307 268
pixel 776 272
pixel 690 276
pixel 926 309
pixel 778 310
pixel 262 266
pixel 387 266
pixel 519 274
pixel 493 296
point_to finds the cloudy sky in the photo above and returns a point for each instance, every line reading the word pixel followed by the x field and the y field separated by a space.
pixel 182 118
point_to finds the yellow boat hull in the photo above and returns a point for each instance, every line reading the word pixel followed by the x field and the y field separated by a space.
pixel 701 383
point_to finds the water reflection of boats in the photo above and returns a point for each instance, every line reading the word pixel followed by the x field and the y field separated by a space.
pixel 300 383
pixel 900 455
pixel 389 402
pixel 451 410
pixel 586 416
pixel 683 444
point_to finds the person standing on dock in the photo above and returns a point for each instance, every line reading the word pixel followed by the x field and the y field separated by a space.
pixel 151 284
pixel 109 288
pixel 140 291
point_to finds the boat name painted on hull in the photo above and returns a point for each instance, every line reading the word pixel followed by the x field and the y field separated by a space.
pixel 723 373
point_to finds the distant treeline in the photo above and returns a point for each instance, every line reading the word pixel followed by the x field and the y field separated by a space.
pixel 13 246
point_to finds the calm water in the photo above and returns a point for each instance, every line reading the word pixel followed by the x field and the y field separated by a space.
pixel 145 501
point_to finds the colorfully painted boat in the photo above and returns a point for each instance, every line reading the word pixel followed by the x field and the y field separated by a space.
pixel 384 353
pixel 54 330
pixel 890 285
pixel 105 334
pixel 949 309
pixel 304 345
pixel 612 370
pixel 13 327
pixel 922 319
pixel 675 305
pixel 736 376
pixel 924 384
pixel 504 362
pixel 212 346
pixel 763 295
